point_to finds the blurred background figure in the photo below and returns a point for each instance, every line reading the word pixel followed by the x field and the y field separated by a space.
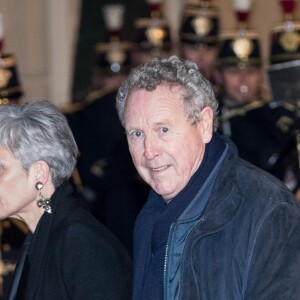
pixel 144 24
pixel 10 85
pixel 259 129
pixel 283 77
pixel 151 35
pixel 111 58
pixel 199 35
pixel 111 186
pixel 92 30
pixel 285 43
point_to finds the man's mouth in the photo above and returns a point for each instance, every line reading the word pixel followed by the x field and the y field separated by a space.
pixel 156 170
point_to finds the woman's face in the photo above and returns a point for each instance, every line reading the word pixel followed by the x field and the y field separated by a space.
pixel 17 188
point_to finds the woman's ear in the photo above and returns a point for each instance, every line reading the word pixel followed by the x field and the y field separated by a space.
pixel 40 171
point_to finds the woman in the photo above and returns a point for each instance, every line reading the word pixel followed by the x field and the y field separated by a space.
pixel 67 253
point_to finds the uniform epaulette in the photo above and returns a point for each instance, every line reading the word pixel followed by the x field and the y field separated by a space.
pixel 72 108
pixel 241 111
pixel 90 98
pixel 289 106
pixel 97 94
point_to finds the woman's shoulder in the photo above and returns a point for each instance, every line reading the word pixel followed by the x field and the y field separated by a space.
pixel 80 224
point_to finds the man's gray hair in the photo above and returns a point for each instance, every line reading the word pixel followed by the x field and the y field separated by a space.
pixel 37 130
pixel 196 91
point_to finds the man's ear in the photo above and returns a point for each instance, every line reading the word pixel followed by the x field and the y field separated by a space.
pixel 206 124
pixel 40 171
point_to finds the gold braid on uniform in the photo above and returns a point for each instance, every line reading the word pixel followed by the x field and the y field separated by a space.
pixel 91 97
pixel 241 111
pixel 98 94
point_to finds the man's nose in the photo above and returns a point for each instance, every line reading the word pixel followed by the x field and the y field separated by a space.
pixel 151 148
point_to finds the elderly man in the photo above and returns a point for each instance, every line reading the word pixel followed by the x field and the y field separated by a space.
pixel 214 226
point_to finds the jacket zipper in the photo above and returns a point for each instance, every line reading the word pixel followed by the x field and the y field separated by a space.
pixel 166 258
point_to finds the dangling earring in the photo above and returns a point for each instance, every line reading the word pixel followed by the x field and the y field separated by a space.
pixel 43 202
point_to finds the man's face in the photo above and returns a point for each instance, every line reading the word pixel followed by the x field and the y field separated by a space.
pixel 203 56
pixel 241 85
pixel 165 147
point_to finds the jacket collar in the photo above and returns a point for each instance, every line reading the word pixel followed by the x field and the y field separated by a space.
pixel 225 199
pixel 19 268
pixel 40 240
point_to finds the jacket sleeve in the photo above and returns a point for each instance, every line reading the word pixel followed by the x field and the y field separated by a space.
pixel 274 271
pixel 94 265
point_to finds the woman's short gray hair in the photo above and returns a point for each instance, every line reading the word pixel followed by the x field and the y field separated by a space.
pixel 37 130
pixel 196 91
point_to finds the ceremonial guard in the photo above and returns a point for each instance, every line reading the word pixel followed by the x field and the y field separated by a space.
pixel 259 128
pixel 111 186
pixel 152 35
pixel 283 77
pixel 199 35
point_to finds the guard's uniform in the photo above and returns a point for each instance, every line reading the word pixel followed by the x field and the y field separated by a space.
pixel 260 130
pixel 283 76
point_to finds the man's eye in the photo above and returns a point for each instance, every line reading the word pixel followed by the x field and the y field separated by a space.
pixel 164 129
pixel 136 134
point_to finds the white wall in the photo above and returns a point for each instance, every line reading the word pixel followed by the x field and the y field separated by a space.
pixel 42 35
